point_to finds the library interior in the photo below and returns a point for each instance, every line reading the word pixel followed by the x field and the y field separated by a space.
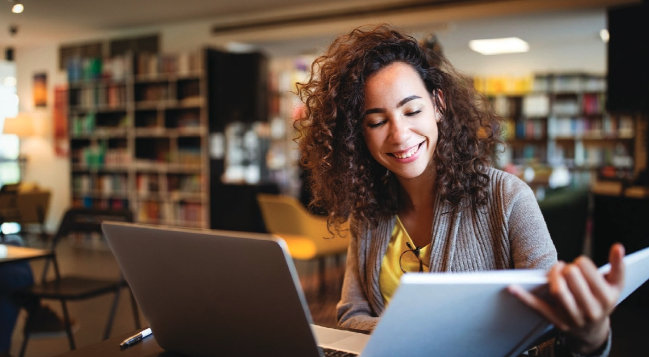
pixel 183 115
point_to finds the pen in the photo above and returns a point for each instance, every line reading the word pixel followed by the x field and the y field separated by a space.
pixel 135 339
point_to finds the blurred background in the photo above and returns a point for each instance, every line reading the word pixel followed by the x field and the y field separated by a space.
pixel 182 111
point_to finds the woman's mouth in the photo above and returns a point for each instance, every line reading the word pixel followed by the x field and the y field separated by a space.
pixel 406 153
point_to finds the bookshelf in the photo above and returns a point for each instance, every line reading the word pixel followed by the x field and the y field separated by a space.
pixel 561 120
pixel 139 136
pixel 284 108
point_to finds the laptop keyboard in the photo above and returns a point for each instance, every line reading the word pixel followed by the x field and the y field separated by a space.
pixel 328 352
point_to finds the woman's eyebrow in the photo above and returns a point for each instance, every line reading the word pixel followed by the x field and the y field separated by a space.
pixel 407 99
pixel 400 104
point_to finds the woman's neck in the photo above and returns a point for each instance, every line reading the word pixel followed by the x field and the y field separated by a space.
pixel 418 193
pixel 418 208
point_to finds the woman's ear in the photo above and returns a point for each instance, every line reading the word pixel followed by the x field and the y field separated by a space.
pixel 438 99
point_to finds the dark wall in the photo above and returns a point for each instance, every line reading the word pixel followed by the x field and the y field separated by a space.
pixel 238 88
pixel 237 91
pixel 628 59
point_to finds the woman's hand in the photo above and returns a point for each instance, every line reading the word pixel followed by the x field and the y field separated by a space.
pixel 581 299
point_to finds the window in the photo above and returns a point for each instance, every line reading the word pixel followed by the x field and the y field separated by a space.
pixel 9 144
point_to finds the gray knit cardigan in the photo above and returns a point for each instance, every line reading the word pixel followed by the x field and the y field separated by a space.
pixel 508 233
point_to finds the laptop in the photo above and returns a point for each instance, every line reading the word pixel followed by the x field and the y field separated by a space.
pixel 207 293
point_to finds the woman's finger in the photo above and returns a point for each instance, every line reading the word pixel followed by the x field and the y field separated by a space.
pixel 589 307
pixel 561 293
pixel 616 275
pixel 599 286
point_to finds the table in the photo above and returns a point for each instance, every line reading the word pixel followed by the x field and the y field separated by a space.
pixel 11 253
pixel 148 347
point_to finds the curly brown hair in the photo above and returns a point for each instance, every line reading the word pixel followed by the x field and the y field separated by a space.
pixel 344 177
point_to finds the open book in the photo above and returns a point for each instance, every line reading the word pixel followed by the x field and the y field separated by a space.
pixel 472 314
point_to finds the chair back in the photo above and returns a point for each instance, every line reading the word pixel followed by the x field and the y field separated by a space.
pixel 286 217
pixel 88 220
pixel 85 220
pixel 566 215
pixel 8 207
pixel 32 206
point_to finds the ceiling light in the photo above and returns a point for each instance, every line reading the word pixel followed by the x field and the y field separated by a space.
pixel 497 46
pixel 18 8
pixel 604 35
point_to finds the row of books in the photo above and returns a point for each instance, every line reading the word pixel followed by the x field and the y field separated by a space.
pixel 598 156
pixel 189 89
pixel 531 129
pixel 87 69
pixel 529 152
pixel 98 156
pixel 594 156
pixel 104 203
pixel 566 107
pixel 120 67
pixel 187 119
pixel 172 183
pixel 97 95
pixel 505 85
pixel 571 82
pixel 185 183
pixel 538 105
pixel 606 127
pixel 105 184
pixel 183 213
pixel 117 123
pixel 148 183
pixel 152 92
pixel 594 103
pixel 181 64
pixel 88 123
pixel 82 124
pixel 189 156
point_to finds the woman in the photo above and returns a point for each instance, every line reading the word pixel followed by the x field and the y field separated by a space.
pixel 400 143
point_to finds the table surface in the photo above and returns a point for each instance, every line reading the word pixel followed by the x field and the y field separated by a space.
pixel 148 347
pixel 11 253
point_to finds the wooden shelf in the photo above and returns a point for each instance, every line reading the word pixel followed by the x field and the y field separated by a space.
pixel 138 128
pixel 575 129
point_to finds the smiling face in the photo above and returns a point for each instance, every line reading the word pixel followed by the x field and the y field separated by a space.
pixel 400 121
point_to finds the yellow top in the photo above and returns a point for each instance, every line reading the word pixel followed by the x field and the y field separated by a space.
pixel 391 270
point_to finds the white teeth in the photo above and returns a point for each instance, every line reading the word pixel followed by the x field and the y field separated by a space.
pixel 408 154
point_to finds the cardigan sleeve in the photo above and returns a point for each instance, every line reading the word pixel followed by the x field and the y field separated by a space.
pixel 531 245
pixel 353 310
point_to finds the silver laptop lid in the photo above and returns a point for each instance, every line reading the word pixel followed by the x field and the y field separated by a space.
pixel 209 293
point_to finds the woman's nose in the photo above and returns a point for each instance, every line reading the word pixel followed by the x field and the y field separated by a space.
pixel 399 131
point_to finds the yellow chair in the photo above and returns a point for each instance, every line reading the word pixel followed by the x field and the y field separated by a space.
pixel 305 234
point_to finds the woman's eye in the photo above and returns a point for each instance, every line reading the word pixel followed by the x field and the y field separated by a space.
pixel 376 124
pixel 413 113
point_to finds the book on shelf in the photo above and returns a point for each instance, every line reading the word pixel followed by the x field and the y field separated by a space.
pixel 185 63
pixel 591 128
pixel 567 83
pixel 147 183
pixel 536 105
pixel 113 184
pixel 593 103
pixel 566 107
